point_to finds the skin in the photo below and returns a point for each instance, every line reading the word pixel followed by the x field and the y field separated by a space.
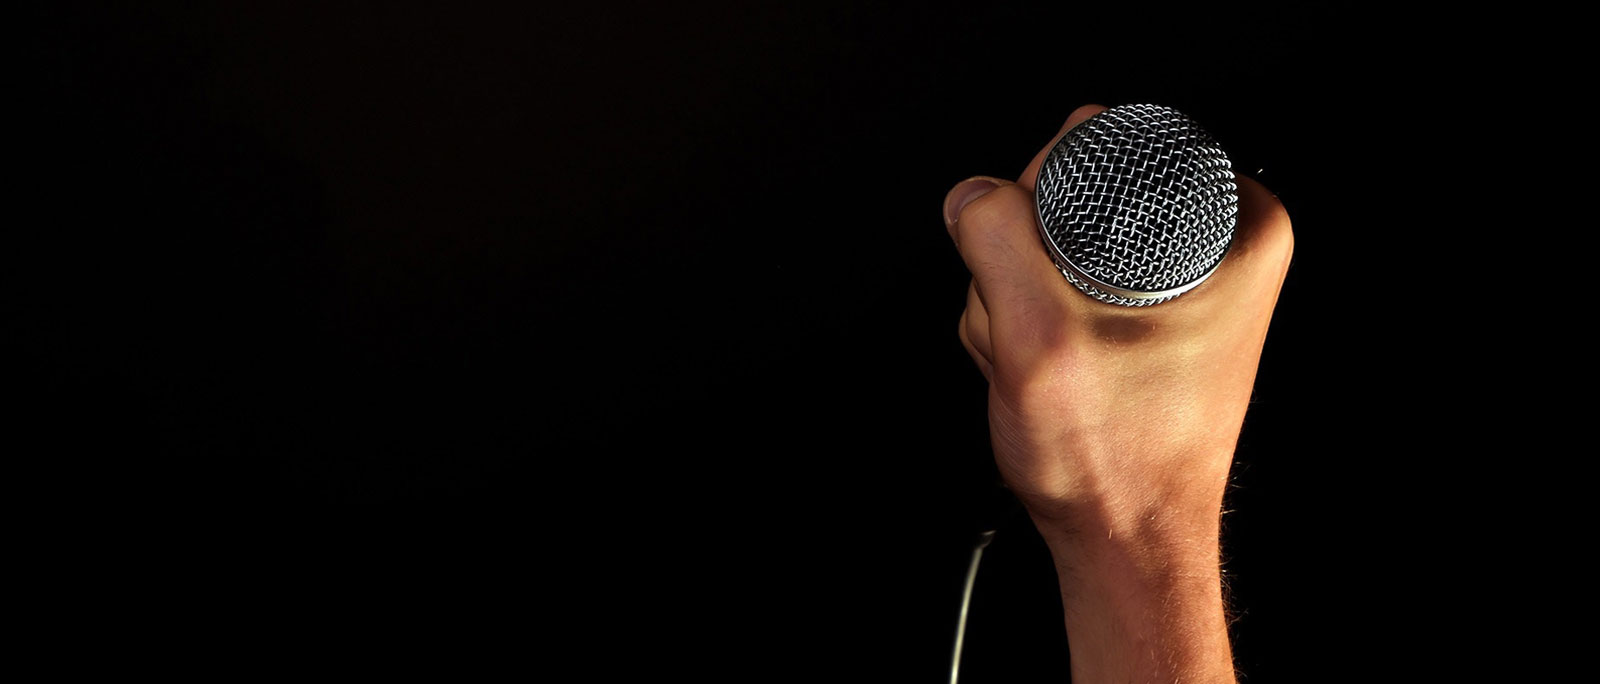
pixel 1116 426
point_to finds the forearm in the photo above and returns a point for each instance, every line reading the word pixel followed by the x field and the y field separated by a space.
pixel 1142 595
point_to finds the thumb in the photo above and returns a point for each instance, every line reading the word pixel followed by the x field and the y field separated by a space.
pixel 996 230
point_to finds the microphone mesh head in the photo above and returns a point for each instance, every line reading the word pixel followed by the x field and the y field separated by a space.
pixel 1137 204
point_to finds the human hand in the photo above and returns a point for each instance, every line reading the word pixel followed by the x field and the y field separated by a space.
pixel 1115 426
pixel 1102 416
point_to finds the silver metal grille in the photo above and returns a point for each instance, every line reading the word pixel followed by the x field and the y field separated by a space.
pixel 1137 204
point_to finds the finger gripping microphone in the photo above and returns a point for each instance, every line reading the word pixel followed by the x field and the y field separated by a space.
pixel 1136 204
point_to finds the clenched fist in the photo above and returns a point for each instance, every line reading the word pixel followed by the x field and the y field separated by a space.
pixel 1116 426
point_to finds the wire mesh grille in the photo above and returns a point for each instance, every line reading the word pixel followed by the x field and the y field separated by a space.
pixel 1140 198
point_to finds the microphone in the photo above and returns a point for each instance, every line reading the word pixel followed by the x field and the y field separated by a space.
pixel 1136 204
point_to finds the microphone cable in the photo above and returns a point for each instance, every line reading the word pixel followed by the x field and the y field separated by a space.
pixel 999 512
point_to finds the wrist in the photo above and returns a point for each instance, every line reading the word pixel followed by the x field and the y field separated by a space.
pixel 1176 537
pixel 1142 594
pixel 1170 513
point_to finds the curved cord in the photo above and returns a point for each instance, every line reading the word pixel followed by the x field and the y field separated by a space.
pixel 966 600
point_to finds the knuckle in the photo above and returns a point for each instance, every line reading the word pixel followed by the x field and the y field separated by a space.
pixel 1028 388
pixel 1043 336
pixel 1277 233
pixel 1037 323
pixel 1266 233
pixel 1039 358
pixel 1003 206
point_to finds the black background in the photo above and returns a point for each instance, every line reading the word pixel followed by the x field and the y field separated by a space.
pixel 623 337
